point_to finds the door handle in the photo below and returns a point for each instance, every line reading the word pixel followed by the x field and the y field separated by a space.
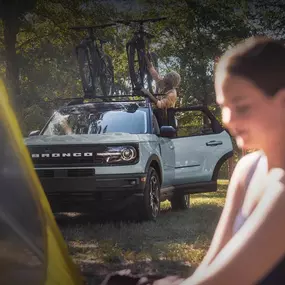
pixel 171 147
pixel 213 143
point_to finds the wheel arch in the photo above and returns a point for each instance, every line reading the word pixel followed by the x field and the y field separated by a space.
pixel 154 161
pixel 219 164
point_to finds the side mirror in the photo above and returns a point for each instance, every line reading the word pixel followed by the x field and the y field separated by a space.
pixel 167 131
pixel 34 133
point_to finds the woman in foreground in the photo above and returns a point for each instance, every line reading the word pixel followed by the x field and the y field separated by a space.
pixel 248 246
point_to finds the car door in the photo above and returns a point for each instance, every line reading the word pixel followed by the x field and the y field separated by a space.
pixel 199 145
pixel 167 154
pixel 168 160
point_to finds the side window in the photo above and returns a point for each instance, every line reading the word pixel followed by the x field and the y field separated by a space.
pixel 193 123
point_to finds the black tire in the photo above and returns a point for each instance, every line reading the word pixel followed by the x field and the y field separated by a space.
pixel 150 204
pixel 180 202
pixel 85 69
pixel 107 76
pixel 137 68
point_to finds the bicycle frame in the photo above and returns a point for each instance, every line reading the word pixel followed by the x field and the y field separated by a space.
pixel 139 44
pixel 96 52
pixel 96 55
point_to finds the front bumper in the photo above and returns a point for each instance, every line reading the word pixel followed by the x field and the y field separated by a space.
pixel 66 193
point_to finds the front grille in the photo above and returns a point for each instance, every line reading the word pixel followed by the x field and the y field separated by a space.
pixel 67 155
pixel 50 173
pixel 71 155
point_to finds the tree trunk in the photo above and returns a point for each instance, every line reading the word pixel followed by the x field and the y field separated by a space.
pixel 11 29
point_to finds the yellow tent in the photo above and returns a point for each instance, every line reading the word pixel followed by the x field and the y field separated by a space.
pixel 32 249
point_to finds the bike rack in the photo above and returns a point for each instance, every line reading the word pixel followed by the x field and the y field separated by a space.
pixel 115 98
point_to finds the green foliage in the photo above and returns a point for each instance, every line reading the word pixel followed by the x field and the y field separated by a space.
pixel 195 33
pixel 46 58
pixel 44 66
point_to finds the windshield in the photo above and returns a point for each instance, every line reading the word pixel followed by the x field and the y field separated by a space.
pixel 98 118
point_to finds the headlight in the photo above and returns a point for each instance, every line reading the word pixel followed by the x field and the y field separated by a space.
pixel 119 154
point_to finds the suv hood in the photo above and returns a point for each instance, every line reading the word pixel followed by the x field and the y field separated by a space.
pixel 84 139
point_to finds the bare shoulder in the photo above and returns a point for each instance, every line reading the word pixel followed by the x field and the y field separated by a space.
pixel 247 161
pixel 242 169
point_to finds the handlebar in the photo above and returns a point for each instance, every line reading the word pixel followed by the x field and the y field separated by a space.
pixel 128 22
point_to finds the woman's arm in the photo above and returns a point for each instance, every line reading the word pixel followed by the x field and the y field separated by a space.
pixel 256 247
pixel 223 232
pixel 154 74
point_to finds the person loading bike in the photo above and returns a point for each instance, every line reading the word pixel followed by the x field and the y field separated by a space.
pixel 166 85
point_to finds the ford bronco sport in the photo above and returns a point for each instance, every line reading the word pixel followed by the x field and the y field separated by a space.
pixel 109 155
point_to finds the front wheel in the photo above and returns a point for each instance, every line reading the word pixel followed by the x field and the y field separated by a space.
pixel 180 202
pixel 150 204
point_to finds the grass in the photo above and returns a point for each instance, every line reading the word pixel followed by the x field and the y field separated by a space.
pixel 174 244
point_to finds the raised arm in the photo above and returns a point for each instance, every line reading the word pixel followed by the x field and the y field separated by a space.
pixel 155 75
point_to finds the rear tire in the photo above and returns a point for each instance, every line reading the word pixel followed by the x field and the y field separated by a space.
pixel 180 202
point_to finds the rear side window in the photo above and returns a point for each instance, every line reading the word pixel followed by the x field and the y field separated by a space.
pixel 193 123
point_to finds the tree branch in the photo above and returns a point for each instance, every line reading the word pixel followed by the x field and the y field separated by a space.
pixel 37 37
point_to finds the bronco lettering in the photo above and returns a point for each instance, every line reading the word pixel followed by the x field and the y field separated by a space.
pixel 63 155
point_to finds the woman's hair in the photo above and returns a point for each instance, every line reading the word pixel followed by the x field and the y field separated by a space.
pixel 258 59
pixel 173 79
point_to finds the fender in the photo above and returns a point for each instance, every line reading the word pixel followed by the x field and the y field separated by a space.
pixel 224 158
pixel 155 158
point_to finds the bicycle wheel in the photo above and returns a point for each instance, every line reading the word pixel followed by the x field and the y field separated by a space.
pixel 85 68
pixel 96 68
pixel 136 67
pixel 107 76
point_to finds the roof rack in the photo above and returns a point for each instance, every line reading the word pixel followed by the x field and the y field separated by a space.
pixel 114 98
pixel 95 100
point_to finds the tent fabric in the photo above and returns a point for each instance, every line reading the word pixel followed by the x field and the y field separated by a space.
pixel 32 248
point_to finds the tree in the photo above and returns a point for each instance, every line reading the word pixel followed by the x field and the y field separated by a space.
pixel 47 69
pixel 12 14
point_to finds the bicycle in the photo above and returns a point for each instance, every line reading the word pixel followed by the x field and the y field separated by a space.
pixel 95 66
pixel 137 47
